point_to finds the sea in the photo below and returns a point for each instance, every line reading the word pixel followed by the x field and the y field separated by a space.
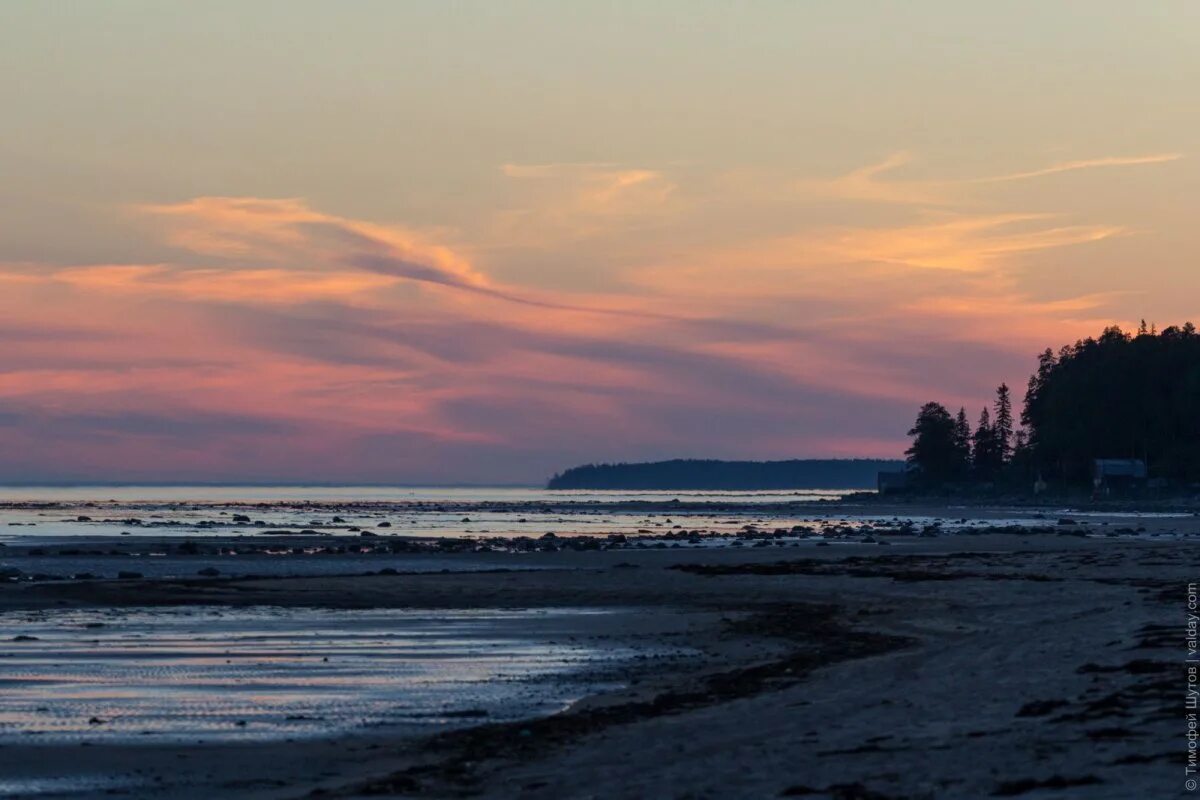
pixel 54 513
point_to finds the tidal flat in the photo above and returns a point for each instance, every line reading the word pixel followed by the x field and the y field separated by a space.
pixel 811 650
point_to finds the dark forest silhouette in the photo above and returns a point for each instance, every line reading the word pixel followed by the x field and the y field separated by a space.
pixel 710 474
pixel 1117 396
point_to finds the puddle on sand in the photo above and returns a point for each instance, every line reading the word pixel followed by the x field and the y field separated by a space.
pixel 217 674
pixel 70 785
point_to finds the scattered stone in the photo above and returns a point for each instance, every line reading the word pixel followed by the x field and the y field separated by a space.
pixel 1111 734
pixel 1040 708
pixel 1026 785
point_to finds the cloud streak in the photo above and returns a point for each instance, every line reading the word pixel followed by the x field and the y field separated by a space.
pixel 1092 163
pixel 870 184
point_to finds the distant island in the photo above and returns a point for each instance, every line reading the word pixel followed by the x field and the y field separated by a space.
pixel 856 473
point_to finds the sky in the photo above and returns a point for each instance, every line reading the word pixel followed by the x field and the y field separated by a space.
pixel 434 242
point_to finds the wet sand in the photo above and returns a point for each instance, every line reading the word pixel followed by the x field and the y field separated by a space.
pixel 1001 664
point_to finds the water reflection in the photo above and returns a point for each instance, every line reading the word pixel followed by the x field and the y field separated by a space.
pixel 219 674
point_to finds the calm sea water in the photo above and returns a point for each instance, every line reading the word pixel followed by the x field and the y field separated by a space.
pixel 33 516
pixel 383 494
pixel 58 513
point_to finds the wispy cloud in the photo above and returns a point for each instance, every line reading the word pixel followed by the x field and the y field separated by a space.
pixel 301 254
pixel 289 231
pixel 569 202
pixel 866 184
pixel 1090 163
pixel 959 242
pixel 877 183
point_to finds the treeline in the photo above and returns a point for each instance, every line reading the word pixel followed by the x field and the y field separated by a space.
pixel 732 475
pixel 1119 395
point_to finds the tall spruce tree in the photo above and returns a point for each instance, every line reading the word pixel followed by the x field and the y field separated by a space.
pixel 984 448
pixel 962 443
pixel 1002 428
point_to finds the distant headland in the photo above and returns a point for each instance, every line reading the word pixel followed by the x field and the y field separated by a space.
pixel 856 473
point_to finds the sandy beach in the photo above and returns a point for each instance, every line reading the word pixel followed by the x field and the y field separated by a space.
pixel 1015 664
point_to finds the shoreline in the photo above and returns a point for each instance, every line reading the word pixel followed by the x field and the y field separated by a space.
pixel 994 648
pixel 691 502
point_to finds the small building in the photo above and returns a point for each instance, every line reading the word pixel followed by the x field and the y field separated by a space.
pixel 1118 473
pixel 891 481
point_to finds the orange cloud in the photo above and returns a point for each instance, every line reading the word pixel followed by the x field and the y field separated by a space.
pixel 566 202
pixel 289 231
pixel 600 188
pixel 966 243
pixel 233 285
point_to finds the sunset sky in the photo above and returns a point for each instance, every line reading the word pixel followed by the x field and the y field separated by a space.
pixel 437 242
